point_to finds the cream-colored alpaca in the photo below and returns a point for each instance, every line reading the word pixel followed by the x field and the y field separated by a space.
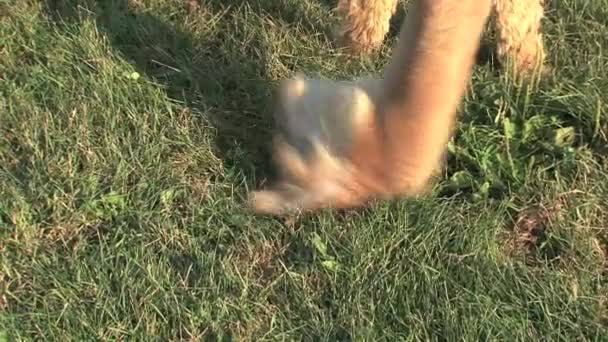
pixel 365 23
pixel 342 144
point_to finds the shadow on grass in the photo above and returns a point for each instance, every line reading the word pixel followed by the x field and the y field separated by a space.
pixel 222 75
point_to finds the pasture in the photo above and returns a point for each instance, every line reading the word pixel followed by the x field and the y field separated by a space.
pixel 131 132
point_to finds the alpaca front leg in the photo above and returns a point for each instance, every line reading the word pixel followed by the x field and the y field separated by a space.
pixel 520 39
pixel 364 23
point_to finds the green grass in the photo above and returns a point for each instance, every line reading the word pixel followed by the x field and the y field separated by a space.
pixel 121 198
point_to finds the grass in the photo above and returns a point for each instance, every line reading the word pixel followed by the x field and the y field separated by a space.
pixel 131 131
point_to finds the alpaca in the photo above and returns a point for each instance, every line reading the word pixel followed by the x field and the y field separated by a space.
pixel 342 144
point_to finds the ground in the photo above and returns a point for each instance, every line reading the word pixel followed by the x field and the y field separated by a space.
pixel 132 131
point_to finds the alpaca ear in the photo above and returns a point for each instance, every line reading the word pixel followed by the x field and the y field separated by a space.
pixel 290 95
pixel 363 108
pixel 288 98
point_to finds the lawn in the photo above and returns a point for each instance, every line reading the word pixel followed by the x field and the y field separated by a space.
pixel 132 131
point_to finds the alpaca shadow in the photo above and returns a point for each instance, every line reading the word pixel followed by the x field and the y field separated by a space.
pixel 222 76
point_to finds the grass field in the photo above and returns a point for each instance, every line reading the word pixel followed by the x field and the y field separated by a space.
pixel 132 131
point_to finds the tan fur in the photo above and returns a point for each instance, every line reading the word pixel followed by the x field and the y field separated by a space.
pixel 344 144
pixel 365 23
pixel 425 82
pixel 520 40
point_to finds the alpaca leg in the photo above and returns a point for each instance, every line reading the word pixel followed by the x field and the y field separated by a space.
pixel 520 40
pixel 364 23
